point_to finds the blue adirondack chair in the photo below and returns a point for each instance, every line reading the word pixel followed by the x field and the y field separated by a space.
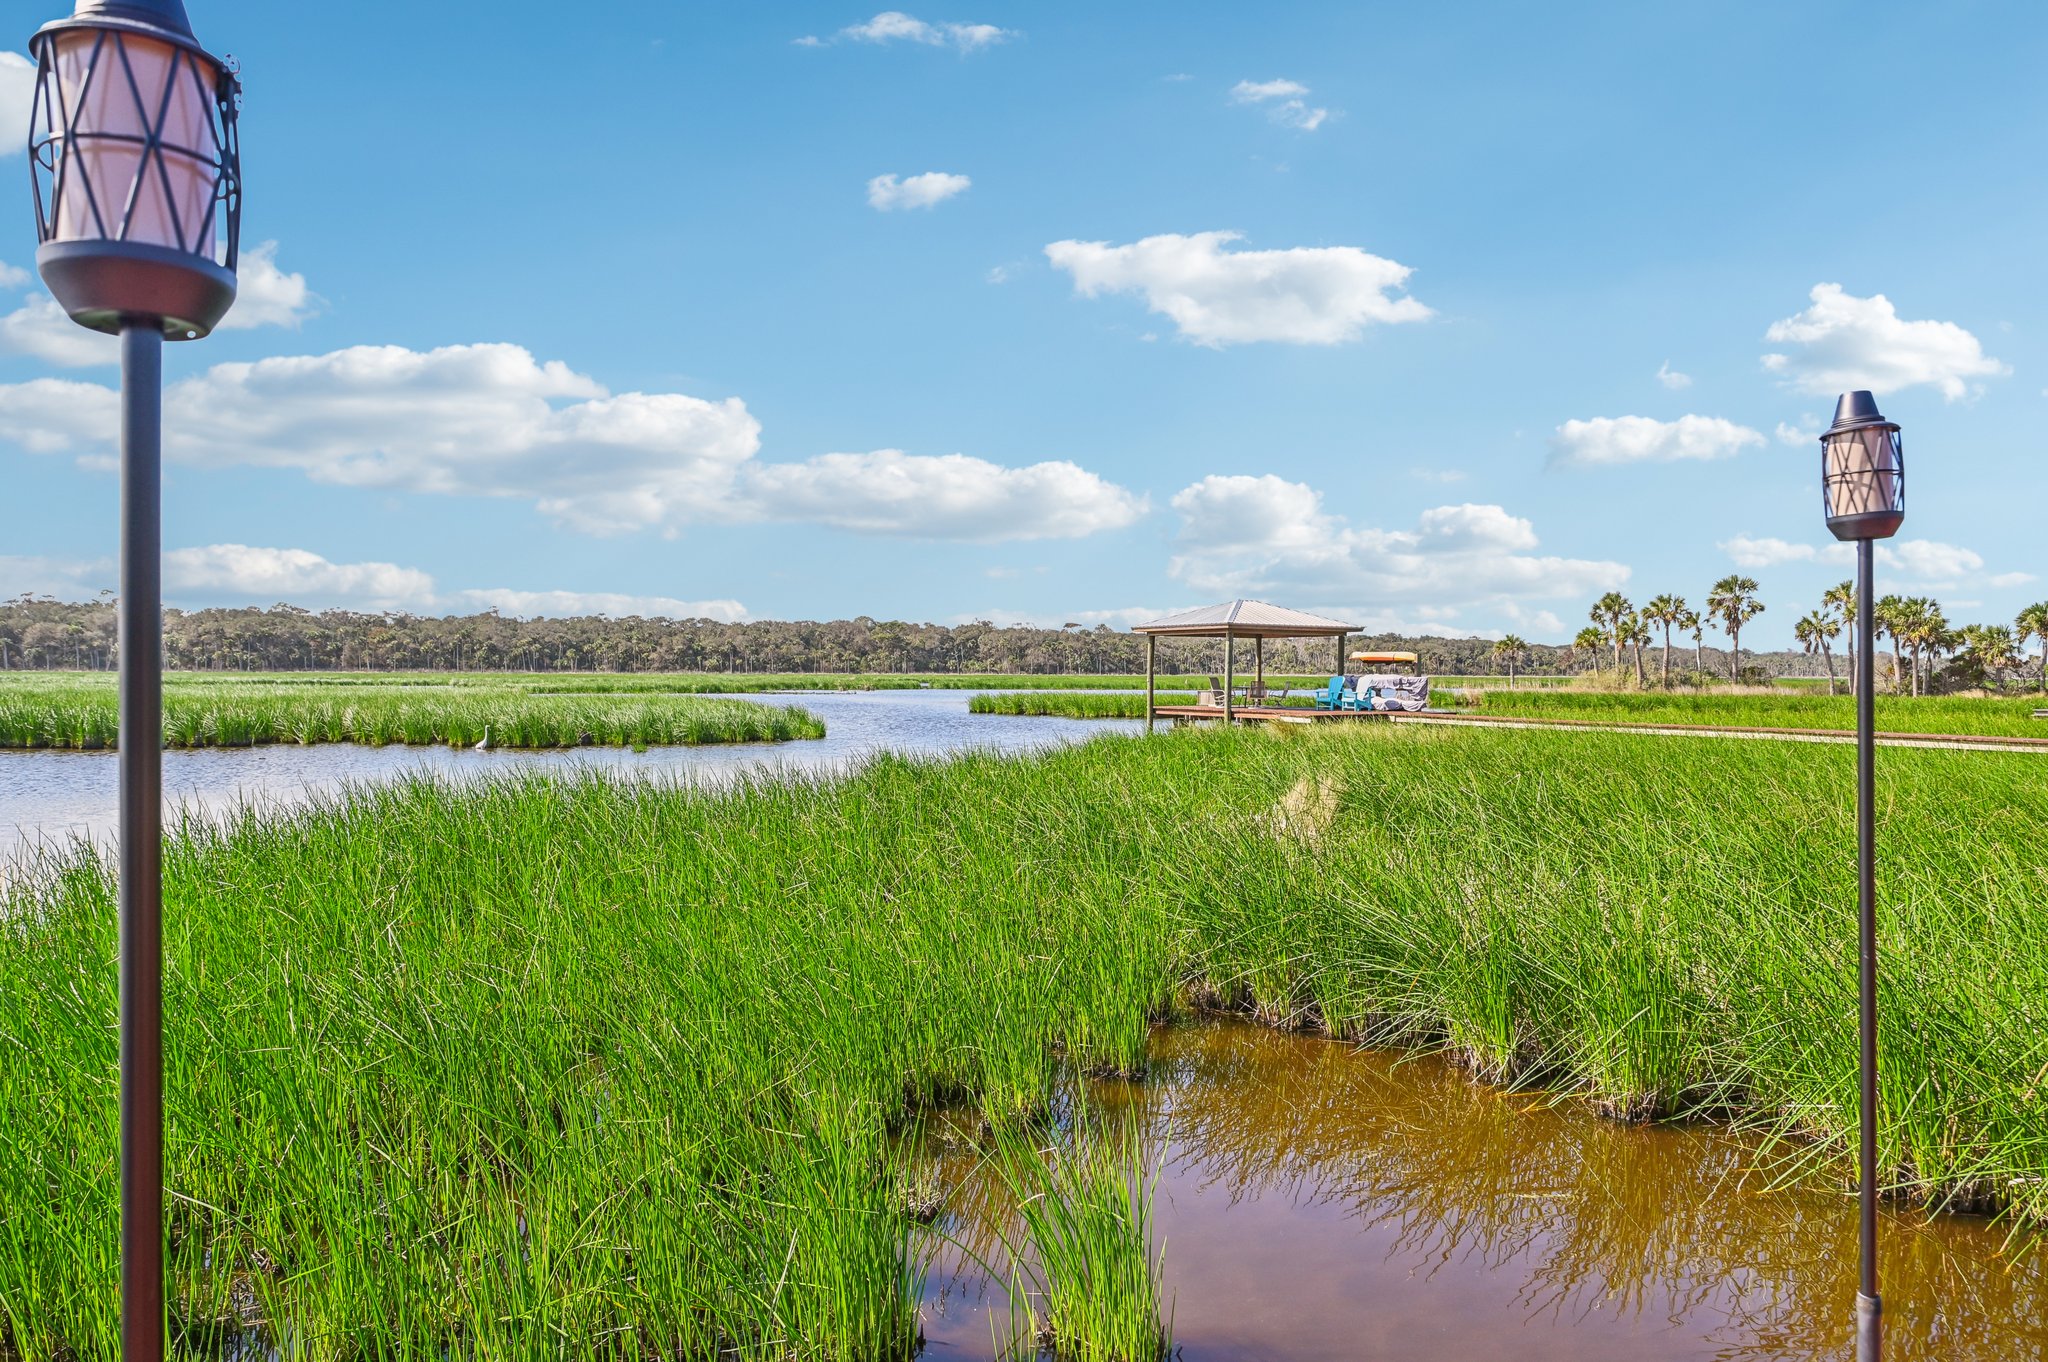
pixel 1360 698
pixel 1331 696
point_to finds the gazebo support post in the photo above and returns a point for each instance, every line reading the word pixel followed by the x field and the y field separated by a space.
pixel 1340 654
pixel 1259 665
pixel 1229 672
pixel 1151 668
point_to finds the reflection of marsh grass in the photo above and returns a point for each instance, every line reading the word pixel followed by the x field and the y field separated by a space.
pixel 1593 1217
pixel 593 1059
pixel 82 716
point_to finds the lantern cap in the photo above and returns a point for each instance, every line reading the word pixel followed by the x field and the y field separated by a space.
pixel 1857 411
pixel 164 20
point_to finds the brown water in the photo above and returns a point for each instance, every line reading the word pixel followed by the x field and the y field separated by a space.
pixel 1317 1202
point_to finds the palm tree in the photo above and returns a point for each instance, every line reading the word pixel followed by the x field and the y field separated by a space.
pixel 1991 649
pixel 1815 630
pixel 1691 623
pixel 1665 610
pixel 2033 623
pixel 1590 641
pixel 1927 631
pixel 1608 612
pixel 1842 598
pixel 1511 649
pixel 1888 616
pixel 1635 631
pixel 1733 601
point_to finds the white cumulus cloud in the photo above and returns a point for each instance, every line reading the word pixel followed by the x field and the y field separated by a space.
pixel 1243 535
pixel 1307 295
pixel 1845 342
pixel 12 276
pixel 492 421
pixel 213 574
pixel 887 193
pixel 1917 562
pixel 1749 551
pixel 295 575
pixel 559 604
pixel 41 330
pixel 17 101
pixel 1671 378
pixel 265 295
pixel 67 579
pixel 1798 436
pixel 1259 91
pixel 894 26
pixel 1608 440
pixel 1285 102
pixel 949 496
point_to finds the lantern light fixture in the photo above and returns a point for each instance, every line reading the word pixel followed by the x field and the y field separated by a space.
pixel 136 168
pixel 136 164
pixel 1863 490
pixel 1863 471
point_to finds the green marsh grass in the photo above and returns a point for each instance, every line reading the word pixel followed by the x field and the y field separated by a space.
pixel 1074 705
pixel 1942 714
pixel 1086 1254
pixel 577 1066
pixel 82 715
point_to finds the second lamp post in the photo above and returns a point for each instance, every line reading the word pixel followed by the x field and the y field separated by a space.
pixel 1863 483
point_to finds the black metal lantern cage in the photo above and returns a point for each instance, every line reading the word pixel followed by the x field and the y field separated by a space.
pixel 1863 471
pixel 136 168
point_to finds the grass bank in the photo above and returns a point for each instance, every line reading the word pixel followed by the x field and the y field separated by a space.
pixel 83 716
pixel 611 1069
pixel 1983 717
pixel 1069 705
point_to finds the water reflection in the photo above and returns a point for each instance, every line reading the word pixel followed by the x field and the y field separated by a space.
pixel 1317 1202
pixel 53 796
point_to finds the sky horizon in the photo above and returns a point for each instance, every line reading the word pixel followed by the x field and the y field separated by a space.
pixel 1036 313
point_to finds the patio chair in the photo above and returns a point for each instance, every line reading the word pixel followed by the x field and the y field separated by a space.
pixel 1330 696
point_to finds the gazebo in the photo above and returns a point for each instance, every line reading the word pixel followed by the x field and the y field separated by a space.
pixel 1230 621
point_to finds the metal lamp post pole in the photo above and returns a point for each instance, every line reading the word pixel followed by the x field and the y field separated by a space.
pixel 141 925
pixel 1869 1307
pixel 138 226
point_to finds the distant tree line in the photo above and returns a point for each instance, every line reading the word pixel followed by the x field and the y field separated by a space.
pixel 41 633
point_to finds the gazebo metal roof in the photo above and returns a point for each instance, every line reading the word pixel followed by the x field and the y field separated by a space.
pixel 1245 619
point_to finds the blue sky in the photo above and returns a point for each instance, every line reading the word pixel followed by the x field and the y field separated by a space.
pixel 1441 318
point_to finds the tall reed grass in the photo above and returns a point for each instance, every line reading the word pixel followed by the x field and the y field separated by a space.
pixel 83 716
pixel 1074 705
pixel 576 1066
pixel 1968 715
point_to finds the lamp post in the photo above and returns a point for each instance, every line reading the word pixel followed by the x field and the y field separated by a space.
pixel 137 177
pixel 1863 485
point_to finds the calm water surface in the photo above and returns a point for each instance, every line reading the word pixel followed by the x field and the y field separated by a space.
pixel 1321 1203
pixel 52 796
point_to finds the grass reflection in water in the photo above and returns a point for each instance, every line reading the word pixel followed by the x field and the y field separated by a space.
pixel 1311 1197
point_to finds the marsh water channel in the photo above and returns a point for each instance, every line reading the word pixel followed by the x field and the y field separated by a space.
pixel 1314 1201
pixel 49 797
pixel 1317 1202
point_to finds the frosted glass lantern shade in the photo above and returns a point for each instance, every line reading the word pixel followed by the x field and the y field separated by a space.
pixel 133 150
pixel 115 95
pixel 1863 481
